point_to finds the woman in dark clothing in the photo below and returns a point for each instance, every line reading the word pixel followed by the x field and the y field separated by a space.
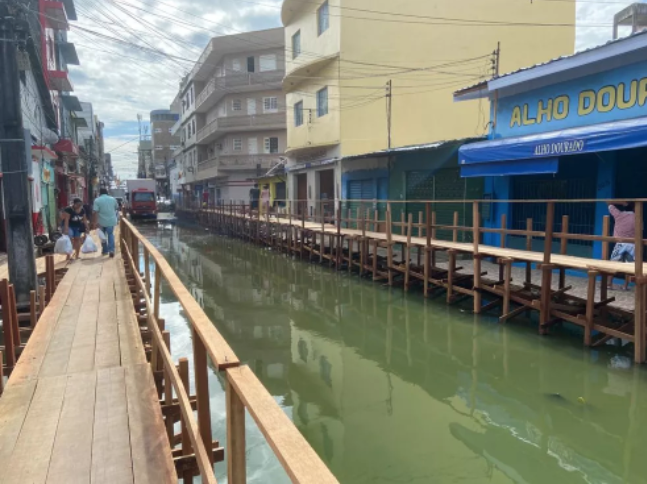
pixel 75 220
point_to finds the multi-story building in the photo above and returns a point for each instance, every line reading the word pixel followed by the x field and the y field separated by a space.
pixel 359 81
pixel 164 145
pixel 145 158
pixel 232 124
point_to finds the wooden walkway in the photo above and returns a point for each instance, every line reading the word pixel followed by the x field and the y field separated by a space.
pixel 335 240
pixel 81 405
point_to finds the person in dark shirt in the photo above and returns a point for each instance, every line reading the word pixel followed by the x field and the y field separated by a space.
pixel 75 222
pixel 254 195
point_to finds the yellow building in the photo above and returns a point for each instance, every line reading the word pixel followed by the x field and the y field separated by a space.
pixel 341 55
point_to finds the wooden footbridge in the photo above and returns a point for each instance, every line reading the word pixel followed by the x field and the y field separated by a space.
pixel 405 253
pixel 95 394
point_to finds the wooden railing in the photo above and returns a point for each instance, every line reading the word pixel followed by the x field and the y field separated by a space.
pixel 196 452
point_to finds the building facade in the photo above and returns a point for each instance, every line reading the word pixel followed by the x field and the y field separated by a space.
pixel 164 145
pixel 572 128
pixel 360 83
pixel 232 117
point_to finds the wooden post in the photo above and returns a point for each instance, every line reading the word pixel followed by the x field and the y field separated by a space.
pixel 606 221
pixel 529 249
pixel 41 300
pixel 590 307
pixel 451 267
pixel 168 387
pixel 157 291
pixel 14 316
pixel 502 241
pixel 147 272
pixel 49 276
pixel 476 236
pixel 187 448
pixel 407 251
pixel 455 230
pixel 639 312
pixel 389 242
pixel 236 465
pixel 32 309
pixel 427 248
pixel 507 277
pixel 6 324
pixel 548 239
pixel 562 250
pixel 202 390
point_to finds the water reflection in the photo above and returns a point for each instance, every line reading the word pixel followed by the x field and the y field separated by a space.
pixel 391 388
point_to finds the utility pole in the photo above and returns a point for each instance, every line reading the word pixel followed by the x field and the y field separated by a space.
pixel 13 156
pixel 389 102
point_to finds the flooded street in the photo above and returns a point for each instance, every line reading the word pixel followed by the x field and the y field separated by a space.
pixel 390 388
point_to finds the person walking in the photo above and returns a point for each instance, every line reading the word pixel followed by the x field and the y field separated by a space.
pixel 74 224
pixel 624 227
pixel 104 216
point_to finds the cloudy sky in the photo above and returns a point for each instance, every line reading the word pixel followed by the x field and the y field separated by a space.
pixel 123 73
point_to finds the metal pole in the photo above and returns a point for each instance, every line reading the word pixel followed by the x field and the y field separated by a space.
pixel 15 185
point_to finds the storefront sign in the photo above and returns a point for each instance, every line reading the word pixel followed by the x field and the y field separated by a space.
pixel 560 148
pixel 608 96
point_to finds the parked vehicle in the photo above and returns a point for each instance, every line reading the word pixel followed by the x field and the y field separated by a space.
pixel 142 200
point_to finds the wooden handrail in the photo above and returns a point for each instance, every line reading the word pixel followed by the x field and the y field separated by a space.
pixel 204 464
pixel 244 390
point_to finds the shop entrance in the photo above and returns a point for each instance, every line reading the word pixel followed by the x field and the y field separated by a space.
pixel 326 192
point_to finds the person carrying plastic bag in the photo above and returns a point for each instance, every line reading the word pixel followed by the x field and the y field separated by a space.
pixel 89 246
pixel 64 246
pixel 104 216
pixel 74 224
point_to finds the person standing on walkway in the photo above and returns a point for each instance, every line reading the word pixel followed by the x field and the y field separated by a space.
pixel 624 227
pixel 104 216
pixel 74 224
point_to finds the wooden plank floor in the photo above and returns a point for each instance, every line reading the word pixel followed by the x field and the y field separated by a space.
pixel 81 405
pixel 59 263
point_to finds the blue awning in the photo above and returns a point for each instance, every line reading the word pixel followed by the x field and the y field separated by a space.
pixel 617 135
pixel 533 166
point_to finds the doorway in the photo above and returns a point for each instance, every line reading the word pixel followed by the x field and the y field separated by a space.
pixel 326 192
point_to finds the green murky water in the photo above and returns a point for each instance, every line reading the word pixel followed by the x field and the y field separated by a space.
pixel 390 388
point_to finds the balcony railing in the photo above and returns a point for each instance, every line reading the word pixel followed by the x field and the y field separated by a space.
pixel 222 125
pixel 240 162
pixel 218 86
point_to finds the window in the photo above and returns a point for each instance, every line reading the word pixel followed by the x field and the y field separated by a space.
pixel 238 144
pixel 298 113
pixel 252 146
pixel 267 62
pixel 250 64
pixel 174 147
pixel 322 102
pixel 271 145
pixel 296 44
pixel 143 197
pixel 236 105
pixel 158 130
pixel 270 104
pixel 193 122
pixel 323 20
pixel 223 110
pixel 235 65
pixel 159 147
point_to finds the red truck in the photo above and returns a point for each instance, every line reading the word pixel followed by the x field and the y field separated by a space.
pixel 142 200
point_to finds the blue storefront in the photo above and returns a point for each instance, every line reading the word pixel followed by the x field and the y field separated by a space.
pixel 572 128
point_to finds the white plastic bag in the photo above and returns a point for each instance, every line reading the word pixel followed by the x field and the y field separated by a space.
pixel 102 235
pixel 63 245
pixel 89 246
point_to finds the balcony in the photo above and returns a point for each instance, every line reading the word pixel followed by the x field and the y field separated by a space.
pixel 217 87
pixel 254 122
pixel 55 15
pixel 59 81
pixel 176 127
pixel 222 165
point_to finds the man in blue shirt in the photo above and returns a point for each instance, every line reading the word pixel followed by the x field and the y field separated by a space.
pixel 104 216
